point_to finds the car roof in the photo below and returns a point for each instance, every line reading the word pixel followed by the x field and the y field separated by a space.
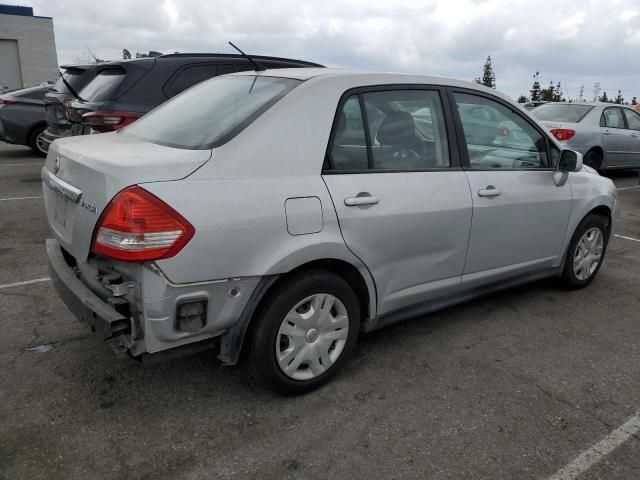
pixel 591 104
pixel 203 57
pixel 367 77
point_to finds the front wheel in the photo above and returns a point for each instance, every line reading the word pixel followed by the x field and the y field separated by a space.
pixel 305 333
pixel 586 252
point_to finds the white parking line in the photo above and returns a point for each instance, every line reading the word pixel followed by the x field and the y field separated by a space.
pixel 26 282
pixel 21 164
pixel 626 238
pixel 627 188
pixel 18 198
pixel 593 455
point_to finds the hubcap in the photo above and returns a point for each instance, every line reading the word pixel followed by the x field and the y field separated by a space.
pixel 41 144
pixel 312 336
pixel 588 253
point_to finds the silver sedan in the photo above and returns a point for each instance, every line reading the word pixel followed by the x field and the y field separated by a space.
pixel 608 135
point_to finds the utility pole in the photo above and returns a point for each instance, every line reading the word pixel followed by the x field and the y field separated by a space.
pixel 580 98
pixel 596 91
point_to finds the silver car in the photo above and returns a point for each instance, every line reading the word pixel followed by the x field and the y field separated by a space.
pixel 608 135
pixel 278 214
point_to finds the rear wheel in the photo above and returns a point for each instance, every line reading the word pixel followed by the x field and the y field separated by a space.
pixel 593 159
pixel 37 143
pixel 586 252
pixel 305 333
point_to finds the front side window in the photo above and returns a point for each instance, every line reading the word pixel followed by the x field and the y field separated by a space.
pixel 405 131
pixel 612 118
pixel 212 112
pixel 497 137
pixel 633 119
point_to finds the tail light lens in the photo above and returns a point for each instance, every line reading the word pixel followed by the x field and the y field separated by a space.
pixel 109 121
pixel 67 105
pixel 563 134
pixel 139 227
pixel 6 101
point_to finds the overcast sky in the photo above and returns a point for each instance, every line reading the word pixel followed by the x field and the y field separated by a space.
pixel 577 42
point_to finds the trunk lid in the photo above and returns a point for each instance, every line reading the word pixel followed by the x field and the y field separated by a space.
pixel 82 174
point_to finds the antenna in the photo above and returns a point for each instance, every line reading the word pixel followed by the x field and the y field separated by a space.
pixel 256 66
pixel 96 59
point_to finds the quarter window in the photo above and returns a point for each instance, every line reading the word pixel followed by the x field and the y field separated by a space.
pixel 612 118
pixel 497 137
pixel 633 119
pixel 400 130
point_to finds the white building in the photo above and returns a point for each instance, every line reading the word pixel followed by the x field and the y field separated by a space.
pixel 27 48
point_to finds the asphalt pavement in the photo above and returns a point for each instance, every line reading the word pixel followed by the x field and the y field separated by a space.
pixel 525 384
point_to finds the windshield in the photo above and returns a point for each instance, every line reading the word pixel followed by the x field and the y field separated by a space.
pixel 568 113
pixel 73 78
pixel 212 112
pixel 104 86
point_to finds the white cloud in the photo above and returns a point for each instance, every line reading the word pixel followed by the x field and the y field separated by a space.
pixel 572 42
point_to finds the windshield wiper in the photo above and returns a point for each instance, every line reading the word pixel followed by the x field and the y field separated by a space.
pixel 71 89
pixel 257 67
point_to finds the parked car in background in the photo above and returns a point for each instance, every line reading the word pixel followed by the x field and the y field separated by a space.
pixel 533 104
pixel 608 135
pixel 73 79
pixel 283 212
pixel 123 91
pixel 22 117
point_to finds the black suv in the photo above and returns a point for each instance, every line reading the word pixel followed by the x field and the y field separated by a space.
pixel 122 91
pixel 57 101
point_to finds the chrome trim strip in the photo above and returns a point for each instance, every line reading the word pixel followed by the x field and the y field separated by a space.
pixel 155 268
pixel 60 186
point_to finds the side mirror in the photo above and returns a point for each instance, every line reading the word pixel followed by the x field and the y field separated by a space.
pixel 570 161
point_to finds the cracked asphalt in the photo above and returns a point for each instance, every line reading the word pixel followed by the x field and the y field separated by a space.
pixel 511 386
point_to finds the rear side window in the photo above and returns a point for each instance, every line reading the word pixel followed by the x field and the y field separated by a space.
pixel 612 118
pixel 402 130
pixel 104 86
pixel 569 113
pixel 212 112
pixel 191 75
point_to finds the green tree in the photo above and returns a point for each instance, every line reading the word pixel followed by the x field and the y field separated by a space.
pixel 522 99
pixel 488 77
pixel 557 94
pixel 548 94
pixel 619 98
pixel 535 88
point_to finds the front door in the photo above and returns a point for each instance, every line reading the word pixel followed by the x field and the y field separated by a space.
pixel 615 137
pixel 403 208
pixel 633 129
pixel 520 215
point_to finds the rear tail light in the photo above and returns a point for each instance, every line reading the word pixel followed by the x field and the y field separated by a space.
pixel 6 101
pixel 109 121
pixel 139 227
pixel 563 134
pixel 67 105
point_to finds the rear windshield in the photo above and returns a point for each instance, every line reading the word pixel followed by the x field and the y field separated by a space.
pixel 104 86
pixel 73 78
pixel 212 112
pixel 569 113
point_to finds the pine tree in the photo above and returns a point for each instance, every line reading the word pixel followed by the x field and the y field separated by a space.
pixel 604 98
pixel 557 95
pixel 535 89
pixel 548 94
pixel 619 98
pixel 488 77
pixel 522 99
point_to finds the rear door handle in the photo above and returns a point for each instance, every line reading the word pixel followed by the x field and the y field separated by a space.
pixel 356 201
pixel 490 191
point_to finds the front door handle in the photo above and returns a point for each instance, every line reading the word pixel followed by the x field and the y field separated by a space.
pixel 490 191
pixel 364 200
pixel 607 132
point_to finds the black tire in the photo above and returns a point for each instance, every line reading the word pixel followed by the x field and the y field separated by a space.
pixel 34 141
pixel 593 159
pixel 261 349
pixel 569 280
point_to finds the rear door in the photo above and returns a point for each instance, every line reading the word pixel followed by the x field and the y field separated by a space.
pixel 402 200
pixel 633 129
pixel 520 215
pixel 615 136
